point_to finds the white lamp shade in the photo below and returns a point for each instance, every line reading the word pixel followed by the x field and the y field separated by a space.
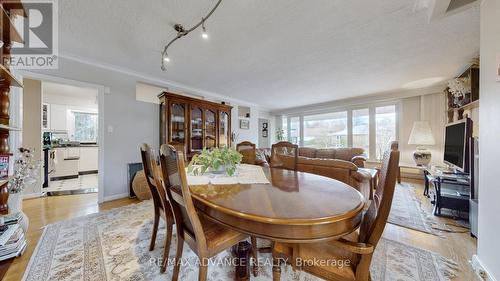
pixel 421 134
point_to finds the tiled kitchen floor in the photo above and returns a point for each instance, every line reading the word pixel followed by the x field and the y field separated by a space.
pixel 84 182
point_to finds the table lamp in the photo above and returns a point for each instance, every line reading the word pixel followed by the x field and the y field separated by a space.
pixel 421 134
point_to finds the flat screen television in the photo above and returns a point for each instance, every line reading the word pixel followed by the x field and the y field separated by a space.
pixel 456 148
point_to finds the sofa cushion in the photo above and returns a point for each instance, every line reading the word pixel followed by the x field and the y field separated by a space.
pixel 307 152
pixel 348 153
pixel 326 153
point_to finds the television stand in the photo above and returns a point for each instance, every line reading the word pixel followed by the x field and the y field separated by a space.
pixel 452 190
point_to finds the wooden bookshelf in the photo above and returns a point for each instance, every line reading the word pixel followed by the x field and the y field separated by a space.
pixel 7 79
pixel 458 112
pixel 15 8
pixel 9 32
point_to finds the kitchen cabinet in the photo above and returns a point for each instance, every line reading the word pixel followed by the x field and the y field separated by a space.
pixel 66 163
pixel 58 117
pixel 88 158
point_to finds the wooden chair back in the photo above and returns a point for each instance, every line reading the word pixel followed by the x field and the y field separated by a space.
pixel 180 147
pixel 147 156
pixel 248 151
pixel 284 155
pixel 186 218
pixel 376 217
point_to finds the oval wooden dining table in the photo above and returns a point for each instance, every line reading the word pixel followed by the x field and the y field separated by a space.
pixel 295 207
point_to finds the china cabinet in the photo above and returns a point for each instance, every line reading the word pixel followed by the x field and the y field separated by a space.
pixel 194 123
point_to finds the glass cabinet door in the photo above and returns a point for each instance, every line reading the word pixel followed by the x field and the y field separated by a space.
pixel 196 142
pixel 177 116
pixel 223 129
pixel 210 129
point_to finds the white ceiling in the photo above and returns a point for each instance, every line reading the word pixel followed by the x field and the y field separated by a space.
pixel 55 93
pixel 278 54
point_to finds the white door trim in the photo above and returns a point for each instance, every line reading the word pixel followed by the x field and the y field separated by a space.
pixel 101 91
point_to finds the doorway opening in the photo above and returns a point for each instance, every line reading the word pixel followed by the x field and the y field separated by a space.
pixel 264 136
pixel 66 120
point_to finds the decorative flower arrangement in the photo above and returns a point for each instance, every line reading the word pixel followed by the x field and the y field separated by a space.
pixel 280 135
pixel 26 170
pixel 217 160
pixel 459 87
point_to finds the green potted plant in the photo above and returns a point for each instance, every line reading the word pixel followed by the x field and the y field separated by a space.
pixel 280 134
pixel 216 161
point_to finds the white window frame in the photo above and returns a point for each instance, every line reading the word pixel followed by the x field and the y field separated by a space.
pixel 372 123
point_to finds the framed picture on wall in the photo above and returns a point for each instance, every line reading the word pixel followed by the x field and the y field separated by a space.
pixel 244 124
pixel 264 130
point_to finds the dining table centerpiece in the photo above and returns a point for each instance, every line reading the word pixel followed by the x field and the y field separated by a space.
pixel 215 161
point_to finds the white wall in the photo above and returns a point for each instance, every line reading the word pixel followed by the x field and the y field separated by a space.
pixel 489 184
pixel 130 122
pixel 251 134
pixel 432 108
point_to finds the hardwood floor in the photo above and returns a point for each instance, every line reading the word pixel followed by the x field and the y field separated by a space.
pixel 47 210
pixel 459 247
pixel 42 211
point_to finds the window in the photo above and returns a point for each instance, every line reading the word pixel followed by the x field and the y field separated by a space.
pixel 85 129
pixel 361 129
pixel 371 128
pixel 285 128
pixel 294 133
pixel 385 122
pixel 326 130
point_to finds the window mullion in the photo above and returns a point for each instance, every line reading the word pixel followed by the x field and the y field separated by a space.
pixel 349 129
pixel 301 131
pixel 372 134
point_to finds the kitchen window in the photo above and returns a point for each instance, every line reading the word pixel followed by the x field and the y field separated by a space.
pixel 85 127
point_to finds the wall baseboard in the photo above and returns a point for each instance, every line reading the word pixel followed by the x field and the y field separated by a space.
pixel 33 195
pixel 480 271
pixel 116 197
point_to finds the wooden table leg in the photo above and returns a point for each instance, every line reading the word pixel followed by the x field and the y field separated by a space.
pixel 242 254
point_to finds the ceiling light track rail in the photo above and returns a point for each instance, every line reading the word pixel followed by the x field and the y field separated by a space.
pixel 181 32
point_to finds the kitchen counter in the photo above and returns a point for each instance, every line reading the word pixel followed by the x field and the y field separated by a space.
pixel 64 145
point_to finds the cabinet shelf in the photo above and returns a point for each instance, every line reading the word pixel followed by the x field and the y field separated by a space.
pixel 7 78
pixel 7 24
pixel 202 122
pixel 16 8
pixel 8 128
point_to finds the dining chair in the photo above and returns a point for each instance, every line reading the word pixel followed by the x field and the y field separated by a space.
pixel 204 236
pixel 284 155
pixel 179 147
pixel 350 256
pixel 162 209
pixel 248 150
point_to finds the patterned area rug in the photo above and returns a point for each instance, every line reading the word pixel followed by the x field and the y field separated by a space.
pixel 113 245
pixel 406 211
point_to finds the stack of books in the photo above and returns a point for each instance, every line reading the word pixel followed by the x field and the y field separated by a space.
pixel 12 238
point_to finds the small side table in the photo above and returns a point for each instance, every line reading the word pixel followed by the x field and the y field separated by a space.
pixel 421 169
